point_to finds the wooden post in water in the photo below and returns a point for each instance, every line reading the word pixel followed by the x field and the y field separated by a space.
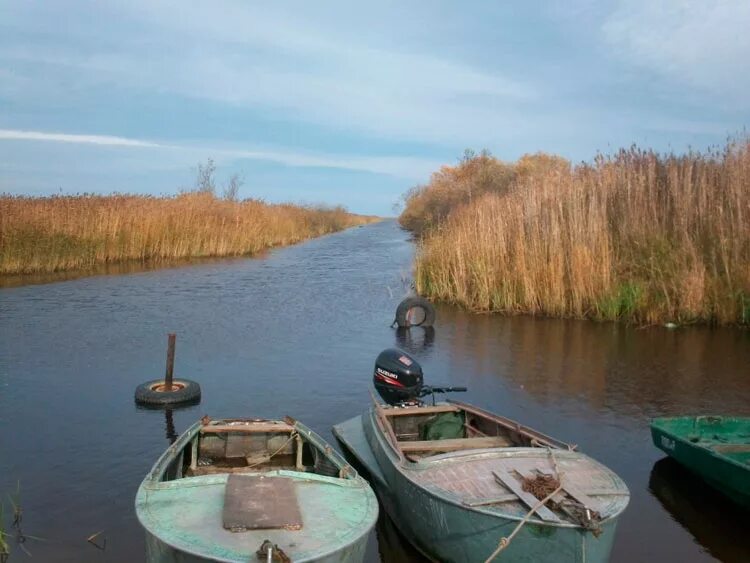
pixel 170 362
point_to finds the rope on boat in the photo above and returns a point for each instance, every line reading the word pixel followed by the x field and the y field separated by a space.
pixel 587 518
pixel 292 436
pixel 269 551
pixel 505 541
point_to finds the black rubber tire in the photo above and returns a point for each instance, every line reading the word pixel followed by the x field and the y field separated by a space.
pixel 415 303
pixel 189 391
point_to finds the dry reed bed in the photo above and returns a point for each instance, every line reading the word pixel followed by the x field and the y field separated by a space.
pixel 79 232
pixel 638 236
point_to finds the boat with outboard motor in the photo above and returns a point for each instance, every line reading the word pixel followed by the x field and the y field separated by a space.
pixel 459 481
pixel 244 489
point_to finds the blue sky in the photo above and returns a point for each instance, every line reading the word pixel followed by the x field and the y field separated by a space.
pixel 347 102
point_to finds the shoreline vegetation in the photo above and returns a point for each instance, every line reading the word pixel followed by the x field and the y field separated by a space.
pixel 637 236
pixel 67 233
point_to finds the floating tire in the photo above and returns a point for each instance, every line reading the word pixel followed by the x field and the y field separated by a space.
pixel 415 311
pixel 155 392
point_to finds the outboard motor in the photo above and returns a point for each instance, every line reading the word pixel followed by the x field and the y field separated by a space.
pixel 399 380
pixel 397 377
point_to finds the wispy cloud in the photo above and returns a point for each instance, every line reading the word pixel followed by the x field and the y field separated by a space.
pixel 107 140
pixel 412 168
pixel 235 53
pixel 695 43
pixel 350 86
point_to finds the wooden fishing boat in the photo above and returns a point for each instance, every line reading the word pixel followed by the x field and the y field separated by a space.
pixel 717 448
pixel 246 489
pixel 457 479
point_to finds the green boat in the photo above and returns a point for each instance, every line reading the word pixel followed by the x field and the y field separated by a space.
pixel 456 479
pixel 717 448
pixel 239 490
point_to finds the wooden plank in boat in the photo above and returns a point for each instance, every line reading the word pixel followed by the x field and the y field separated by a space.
pixel 528 499
pixel 513 425
pixel 211 470
pixel 453 444
pixel 419 410
pixel 491 500
pixel 256 502
pixel 248 428
pixel 571 489
pixel 580 496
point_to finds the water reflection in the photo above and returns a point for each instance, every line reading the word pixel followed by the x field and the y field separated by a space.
pixel 392 546
pixel 169 426
pixel 651 372
pixel 116 268
pixel 415 340
pixel 170 431
pixel 715 522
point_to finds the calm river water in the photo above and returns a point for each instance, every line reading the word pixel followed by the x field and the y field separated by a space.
pixel 296 332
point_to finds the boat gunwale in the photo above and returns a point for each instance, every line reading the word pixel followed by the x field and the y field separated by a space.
pixel 152 483
pixel 515 426
pixel 404 467
pixel 654 425
pixel 507 423
pixel 155 474
pixel 219 478
pixel 358 482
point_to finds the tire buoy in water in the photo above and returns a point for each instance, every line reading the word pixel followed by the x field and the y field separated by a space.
pixel 415 311
pixel 155 392
pixel 168 391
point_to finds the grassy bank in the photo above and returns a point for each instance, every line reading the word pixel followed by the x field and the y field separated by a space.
pixel 67 233
pixel 636 236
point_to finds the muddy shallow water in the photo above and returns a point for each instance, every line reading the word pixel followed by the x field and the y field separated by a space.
pixel 296 332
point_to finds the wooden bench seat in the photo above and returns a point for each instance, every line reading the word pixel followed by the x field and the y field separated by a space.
pixel 454 444
pixel 419 411
pixel 254 428
pixel 214 470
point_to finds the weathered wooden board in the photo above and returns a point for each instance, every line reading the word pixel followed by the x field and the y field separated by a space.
pixel 493 500
pixel 254 502
pixel 580 496
pixel 453 444
pixel 412 411
pixel 530 500
pixel 247 428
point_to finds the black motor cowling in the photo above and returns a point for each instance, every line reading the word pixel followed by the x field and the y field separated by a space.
pixel 397 377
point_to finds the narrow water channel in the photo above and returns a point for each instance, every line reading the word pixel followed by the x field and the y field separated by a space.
pixel 296 332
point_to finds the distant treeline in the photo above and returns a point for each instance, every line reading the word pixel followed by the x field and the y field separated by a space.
pixel 638 236
pixel 77 232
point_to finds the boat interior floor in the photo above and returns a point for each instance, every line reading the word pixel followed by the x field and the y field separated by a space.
pixel 737 452
pixel 250 448
pixel 429 431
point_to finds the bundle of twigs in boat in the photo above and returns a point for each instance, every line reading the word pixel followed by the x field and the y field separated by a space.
pixel 505 541
pixel 540 485
pixel 543 485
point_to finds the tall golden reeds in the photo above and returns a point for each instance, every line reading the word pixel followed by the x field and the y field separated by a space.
pixel 637 236
pixel 78 232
